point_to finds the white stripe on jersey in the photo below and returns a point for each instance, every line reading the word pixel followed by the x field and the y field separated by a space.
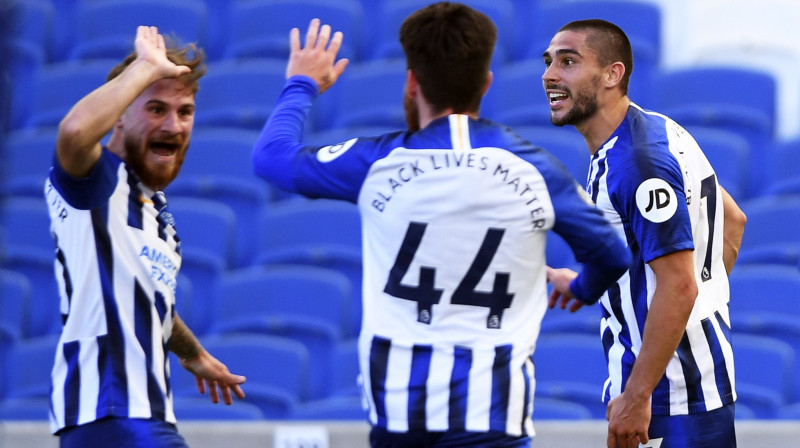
pixel 459 132
pixel 121 258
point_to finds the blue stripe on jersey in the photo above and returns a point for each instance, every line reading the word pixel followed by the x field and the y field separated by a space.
pixel 378 365
pixel 135 202
pixel 601 169
pixel 72 383
pixel 526 407
pixel 164 218
pixel 66 277
pixel 720 368
pixel 113 381
pixel 144 332
pixel 608 341
pixel 501 387
pixel 459 388
pixel 691 374
pixel 417 386
pixel 638 289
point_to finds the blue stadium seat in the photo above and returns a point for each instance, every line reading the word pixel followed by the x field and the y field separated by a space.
pixel 368 94
pixel 26 222
pixel 789 412
pixel 386 42
pixel 22 61
pixel 34 409
pixel 32 359
pixel 320 338
pixel 276 369
pixel 641 21
pixel 42 314
pixel 516 96
pixel 777 317
pixel 769 229
pixel 734 98
pixel 545 408
pixel 246 197
pixel 239 93
pixel 345 369
pixel 790 186
pixel 346 260
pixel 332 408
pixel 307 291
pixel 15 297
pixel 729 154
pixel 260 28
pixel 31 21
pixel 205 225
pixel 220 152
pixel 201 408
pixel 29 154
pixel 202 270
pixel 309 223
pixel 764 373
pixel 60 85
pixel 584 321
pixel 107 29
pixel 555 359
pixel 784 164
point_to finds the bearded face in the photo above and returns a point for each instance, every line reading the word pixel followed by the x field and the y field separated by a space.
pixel 155 132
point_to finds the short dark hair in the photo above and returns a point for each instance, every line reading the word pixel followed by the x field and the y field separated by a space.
pixel 449 48
pixel 189 55
pixel 609 42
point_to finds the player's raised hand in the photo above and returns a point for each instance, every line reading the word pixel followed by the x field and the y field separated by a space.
pixel 150 48
pixel 317 59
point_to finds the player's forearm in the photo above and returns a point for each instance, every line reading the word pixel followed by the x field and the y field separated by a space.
pixel 280 139
pixel 91 118
pixel 183 342
pixel 735 220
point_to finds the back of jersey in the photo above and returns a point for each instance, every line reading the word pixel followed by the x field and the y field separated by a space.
pixel 454 282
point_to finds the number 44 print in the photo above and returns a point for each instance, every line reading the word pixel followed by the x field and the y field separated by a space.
pixel 425 293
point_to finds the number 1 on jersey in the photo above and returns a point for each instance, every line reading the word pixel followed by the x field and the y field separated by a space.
pixel 425 293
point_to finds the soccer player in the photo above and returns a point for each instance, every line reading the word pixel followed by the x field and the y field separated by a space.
pixel 118 254
pixel 455 212
pixel 665 326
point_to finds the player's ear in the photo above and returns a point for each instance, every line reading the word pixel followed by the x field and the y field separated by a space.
pixel 412 85
pixel 489 78
pixel 614 73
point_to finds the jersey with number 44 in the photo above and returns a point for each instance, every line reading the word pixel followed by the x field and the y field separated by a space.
pixel 454 224
pixel 655 185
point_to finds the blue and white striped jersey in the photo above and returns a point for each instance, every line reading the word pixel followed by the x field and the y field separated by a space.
pixel 454 220
pixel 116 264
pixel 657 188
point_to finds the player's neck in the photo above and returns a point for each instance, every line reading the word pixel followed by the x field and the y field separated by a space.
pixel 599 127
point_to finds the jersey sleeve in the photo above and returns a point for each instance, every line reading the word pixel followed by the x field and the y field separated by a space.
pixel 279 156
pixel 648 192
pixel 91 191
pixel 603 254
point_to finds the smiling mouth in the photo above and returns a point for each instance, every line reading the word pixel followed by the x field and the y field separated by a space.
pixel 556 98
pixel 164 149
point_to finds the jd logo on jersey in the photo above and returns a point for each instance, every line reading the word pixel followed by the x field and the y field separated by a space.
pixel 656 200
pixel 659 198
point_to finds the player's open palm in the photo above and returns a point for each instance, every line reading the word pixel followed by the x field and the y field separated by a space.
pixel 317 59
pixel 150 48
